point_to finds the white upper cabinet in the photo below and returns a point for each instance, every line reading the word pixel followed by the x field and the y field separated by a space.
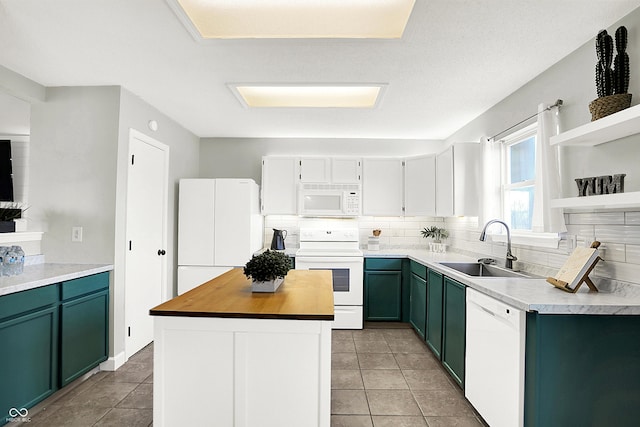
pixel 279 185
pixel 334 170
pixel 420 186
pixel 459 180
pixel 346 170
pixel 382 185
pixel 315 169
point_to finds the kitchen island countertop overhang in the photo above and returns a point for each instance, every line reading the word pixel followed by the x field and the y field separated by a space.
pixel 302 296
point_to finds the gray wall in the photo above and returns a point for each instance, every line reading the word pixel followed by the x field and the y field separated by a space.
pixel 78 177
pixel 72 172
pixel 572 80
pixel 242 157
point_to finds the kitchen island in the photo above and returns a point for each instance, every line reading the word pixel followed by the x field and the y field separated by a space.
pixel 224 356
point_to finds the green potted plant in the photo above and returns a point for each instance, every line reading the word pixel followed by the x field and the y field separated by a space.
pixel 437 234
pixel 267 270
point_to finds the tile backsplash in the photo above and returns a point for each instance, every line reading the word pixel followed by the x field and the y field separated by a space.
pixel 618 232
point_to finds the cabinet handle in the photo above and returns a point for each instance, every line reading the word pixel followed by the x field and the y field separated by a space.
pixel 161 252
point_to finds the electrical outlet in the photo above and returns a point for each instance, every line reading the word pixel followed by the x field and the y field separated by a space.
pixel 76 234
pixel 572 241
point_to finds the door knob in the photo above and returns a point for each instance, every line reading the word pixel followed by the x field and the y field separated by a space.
pixel 161 252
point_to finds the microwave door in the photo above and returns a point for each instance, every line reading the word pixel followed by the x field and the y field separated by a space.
pixel 322 204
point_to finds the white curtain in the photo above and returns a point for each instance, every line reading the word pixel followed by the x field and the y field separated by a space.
pixel 490 201
pixel 548 186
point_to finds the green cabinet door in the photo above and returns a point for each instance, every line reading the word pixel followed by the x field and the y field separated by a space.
pixel 382 295
pixel 84 334
pixel 418 304
pixel 453 329
pixel 28 359
pixel 435 287
pixel 582 370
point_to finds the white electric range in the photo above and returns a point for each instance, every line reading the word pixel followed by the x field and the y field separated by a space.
pixel 336 250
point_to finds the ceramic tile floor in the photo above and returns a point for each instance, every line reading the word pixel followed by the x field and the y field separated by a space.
pixel 383 375
pixel 121 398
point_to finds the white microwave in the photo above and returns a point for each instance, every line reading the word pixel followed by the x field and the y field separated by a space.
pixel 329 199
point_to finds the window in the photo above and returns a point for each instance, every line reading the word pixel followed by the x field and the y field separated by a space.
pixel 518 178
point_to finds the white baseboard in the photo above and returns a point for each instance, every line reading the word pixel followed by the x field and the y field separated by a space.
pixel 113 363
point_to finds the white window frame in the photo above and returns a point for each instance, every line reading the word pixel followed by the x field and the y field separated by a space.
pixel 521 237
pixel 505 186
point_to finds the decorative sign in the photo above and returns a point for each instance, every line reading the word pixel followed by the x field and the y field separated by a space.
pixel 600 185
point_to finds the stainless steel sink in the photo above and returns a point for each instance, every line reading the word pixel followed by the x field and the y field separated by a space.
pixel 477 269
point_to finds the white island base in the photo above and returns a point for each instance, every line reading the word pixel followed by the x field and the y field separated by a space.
pixel 228 357
pixel 241 372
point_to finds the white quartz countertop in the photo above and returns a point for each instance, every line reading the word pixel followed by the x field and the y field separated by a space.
pixel 529 294
pixel 45 274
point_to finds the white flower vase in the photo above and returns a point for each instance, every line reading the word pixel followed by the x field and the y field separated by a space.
pixel 268 286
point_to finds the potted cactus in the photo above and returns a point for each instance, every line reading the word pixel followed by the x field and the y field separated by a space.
pixel 267 270
pixel 612 84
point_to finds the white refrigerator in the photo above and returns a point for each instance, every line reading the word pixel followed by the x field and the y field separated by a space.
pixel 219 228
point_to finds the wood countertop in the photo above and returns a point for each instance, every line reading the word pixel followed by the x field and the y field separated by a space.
pixel 304 295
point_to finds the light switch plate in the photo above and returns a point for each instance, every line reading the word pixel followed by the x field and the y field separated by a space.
pixel 76 234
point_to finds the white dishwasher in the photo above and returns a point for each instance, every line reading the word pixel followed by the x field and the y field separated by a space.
pixel 494 363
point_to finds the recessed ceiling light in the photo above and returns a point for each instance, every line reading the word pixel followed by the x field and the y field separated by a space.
pixel 225 19
pixel 311 96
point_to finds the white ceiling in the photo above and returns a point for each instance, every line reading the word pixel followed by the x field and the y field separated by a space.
pixel 456 59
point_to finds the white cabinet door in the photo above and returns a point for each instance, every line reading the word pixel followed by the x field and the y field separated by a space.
pixel 444 183
pixel 279 180
pixel 420 186
pixel 459 180
pixel 315 169
pixel 382 186
pixel 346 170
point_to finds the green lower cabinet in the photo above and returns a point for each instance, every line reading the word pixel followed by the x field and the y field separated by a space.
pixel 454 329
pixel 50 336
pixel 84 336
pixel 418 304
pixel 582 370
pixel 382 293
pixel 383 289
pixel 435 294
pixel 28 359
pixel 418 297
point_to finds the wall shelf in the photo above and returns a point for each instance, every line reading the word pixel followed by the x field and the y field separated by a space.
pixel 610 201
pixel 21 236
pixel 615 126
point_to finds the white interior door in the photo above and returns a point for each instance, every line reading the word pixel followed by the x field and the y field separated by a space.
pixel 145 270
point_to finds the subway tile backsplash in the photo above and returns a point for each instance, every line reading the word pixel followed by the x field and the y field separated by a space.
pixel 618 231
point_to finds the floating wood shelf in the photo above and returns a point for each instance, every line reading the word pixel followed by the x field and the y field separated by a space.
pixel 615 126
pixel 611 201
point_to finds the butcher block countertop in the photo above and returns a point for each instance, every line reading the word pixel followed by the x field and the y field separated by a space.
pixel 304 295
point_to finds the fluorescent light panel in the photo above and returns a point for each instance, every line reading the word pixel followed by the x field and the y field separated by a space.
pixel 297 18
pixel 310 96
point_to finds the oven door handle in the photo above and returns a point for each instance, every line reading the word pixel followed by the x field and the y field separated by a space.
pixel 302 261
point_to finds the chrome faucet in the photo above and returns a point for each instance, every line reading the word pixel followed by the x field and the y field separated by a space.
pixel 510 257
